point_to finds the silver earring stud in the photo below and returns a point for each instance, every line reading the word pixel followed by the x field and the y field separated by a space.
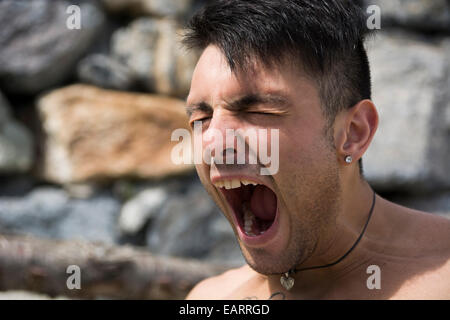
pixel 348 159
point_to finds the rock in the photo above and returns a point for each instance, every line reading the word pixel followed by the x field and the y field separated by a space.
pixel 149 7
pixel 421 14
pixel 93 219
pixel 16 144
pixel 93 134
pixel 49 212
pixel 189 224
pixel 143 199
pixel 411 89
pixel 16 185
pixel 151 49
pixel 136 212
pixel 38 49
pixel 105 72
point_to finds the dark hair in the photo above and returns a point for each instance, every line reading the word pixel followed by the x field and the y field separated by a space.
pixel 325 38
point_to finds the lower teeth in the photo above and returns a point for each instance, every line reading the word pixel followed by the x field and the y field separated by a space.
pixel 248 220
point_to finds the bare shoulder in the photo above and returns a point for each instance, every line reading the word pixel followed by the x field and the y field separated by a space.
pixel 221 286
pixel 434 228
pixel 431 284
pixel 427 230
pixel 429 235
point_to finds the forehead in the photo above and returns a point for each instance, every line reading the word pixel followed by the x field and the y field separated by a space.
pixel 213 79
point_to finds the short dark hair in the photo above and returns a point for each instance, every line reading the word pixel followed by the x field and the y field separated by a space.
pixel 325 37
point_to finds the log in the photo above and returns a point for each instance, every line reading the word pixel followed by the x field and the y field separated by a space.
pixel 115 272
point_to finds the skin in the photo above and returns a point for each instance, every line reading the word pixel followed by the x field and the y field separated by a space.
pixel 323 202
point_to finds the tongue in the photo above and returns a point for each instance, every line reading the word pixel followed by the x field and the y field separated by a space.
pixel 263 203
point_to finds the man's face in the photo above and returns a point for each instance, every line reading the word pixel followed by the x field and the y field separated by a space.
pixel 280 221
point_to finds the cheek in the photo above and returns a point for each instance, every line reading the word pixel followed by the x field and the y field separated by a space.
pixel 297 152
pixel 203 174
pixel 305 162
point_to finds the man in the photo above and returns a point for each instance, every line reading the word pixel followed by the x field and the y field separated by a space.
pixel 314 229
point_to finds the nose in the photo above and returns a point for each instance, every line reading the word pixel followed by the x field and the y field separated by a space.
pixel 215 141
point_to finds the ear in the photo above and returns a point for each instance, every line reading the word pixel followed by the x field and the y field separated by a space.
pixel 354 130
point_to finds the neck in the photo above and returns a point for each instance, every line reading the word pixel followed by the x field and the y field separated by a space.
pixel 357 199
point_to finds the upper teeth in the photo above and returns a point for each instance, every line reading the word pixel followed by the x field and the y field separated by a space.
pixel 233 183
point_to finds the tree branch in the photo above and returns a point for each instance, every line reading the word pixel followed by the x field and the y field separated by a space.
pixel 124 272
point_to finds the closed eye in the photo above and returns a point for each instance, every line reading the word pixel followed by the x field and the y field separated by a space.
pixel 202 120
pixel 265 113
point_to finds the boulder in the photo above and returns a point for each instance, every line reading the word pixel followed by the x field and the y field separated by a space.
pixel 94 135
pixel 16 144
pixel 418 14
pixel 50 213
pixel 34 39
pixel 103 71
pixel 140 209
pixel 16 184
pixel 411 89
pixel 189 224
pixel 152 50
pixel 178 218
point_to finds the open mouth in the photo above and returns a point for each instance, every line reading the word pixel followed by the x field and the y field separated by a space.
pixel 254 205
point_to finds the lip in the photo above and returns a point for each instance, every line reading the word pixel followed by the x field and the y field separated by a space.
pixel 261 240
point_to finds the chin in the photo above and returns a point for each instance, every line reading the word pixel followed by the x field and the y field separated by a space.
pixel 269 264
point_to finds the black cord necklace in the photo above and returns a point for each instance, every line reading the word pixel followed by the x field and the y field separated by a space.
pixel 288 282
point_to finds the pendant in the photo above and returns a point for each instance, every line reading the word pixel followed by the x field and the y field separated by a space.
pixel 286 281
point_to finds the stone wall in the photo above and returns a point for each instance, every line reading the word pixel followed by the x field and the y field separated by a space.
pixel 86 117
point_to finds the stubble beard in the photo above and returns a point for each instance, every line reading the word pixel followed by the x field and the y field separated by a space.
pixel 313 219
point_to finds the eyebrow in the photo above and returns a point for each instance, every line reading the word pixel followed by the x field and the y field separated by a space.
pixel 241 104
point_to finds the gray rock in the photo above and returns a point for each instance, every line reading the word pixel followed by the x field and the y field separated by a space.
pixel 150 7
pixel 49 212
pixel 411 90
pixel 420 14
pixel 151 49
pixel 16 144
pixel 189 224
pixel 93 219
pixel 136 212
pixel 16 185
pixel 105 72
pixel 38 50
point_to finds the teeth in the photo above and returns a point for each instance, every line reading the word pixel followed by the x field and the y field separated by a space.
pixel 248 220
pixel 219 184
pixel 233 184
